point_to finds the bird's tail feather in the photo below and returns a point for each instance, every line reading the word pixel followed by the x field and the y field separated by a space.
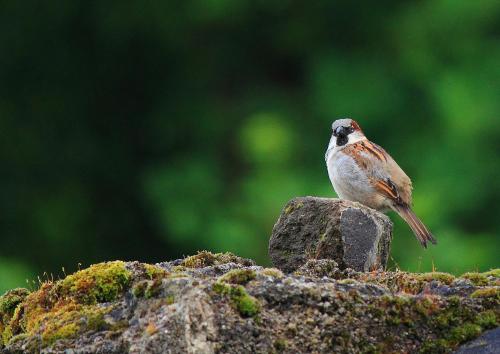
pixel 417 226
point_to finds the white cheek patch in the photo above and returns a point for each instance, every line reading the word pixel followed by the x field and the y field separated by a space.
pixel 355 137
pixel 333 148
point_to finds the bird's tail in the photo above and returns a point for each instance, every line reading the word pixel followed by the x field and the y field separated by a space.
pixel 418 228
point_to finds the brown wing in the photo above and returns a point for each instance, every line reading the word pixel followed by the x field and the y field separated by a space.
pixel 386 175
pixel 388 189
pixel 391 182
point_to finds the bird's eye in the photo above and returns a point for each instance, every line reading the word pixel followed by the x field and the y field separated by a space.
pixel 340 131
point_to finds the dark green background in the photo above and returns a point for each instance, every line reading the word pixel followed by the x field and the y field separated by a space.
pixel 148 130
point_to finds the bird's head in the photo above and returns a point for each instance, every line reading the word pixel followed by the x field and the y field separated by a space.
pixel 346 131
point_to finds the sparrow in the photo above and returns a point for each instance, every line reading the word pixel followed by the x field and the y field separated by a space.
pixel 363 172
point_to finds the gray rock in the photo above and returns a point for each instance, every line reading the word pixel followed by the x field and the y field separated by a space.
pixel 487 343
pixel 349 233
pixel 220 304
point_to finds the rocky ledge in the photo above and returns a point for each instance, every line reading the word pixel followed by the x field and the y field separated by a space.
pixel 222 303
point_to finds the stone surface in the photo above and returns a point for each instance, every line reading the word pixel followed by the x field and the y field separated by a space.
pixel 487 343
pixel 349 233
pixel 220 303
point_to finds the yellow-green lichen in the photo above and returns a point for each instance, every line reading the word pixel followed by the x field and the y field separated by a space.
pixel 151 329
pixel 99 283
pixel 293 206
pixel 238 276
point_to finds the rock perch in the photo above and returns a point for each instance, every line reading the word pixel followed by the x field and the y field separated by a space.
pixel 350 233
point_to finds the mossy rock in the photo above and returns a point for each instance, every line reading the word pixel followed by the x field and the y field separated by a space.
pixel 63 309
pixel 99 283
pixel 218 304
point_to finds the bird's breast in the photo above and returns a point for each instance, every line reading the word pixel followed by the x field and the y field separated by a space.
pixel 348 179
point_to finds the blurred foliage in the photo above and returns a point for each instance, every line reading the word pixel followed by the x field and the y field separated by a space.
pixel 148 130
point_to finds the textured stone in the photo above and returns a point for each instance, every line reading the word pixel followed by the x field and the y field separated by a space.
pixel 487 343
pixel 349 233
pixel 203 305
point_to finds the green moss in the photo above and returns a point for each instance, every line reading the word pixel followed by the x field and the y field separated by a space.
pixel 493 273
pixel 153 289
pixel 403 282
pixel 439 276
pixel 147 288
pixel 465 332
pixel 64 319
pixel 435 346
pixel 477 279
pixel 155 272
pixel 6 335
pixel 72 306
pixel 247 305
pixel 424 306
pixel 68 307
pixel 139 288
pixel 67 321
pixel 280 344
pixel 238 276
pixel 205 259
pixel 8 304
pixel 10 300
pixel 486 293
pixel 178 275
pixel 487 319
pixel 221 288
pixel 272 272
pixel 99 283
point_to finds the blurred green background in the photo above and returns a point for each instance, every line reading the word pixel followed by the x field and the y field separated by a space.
pixel 149 130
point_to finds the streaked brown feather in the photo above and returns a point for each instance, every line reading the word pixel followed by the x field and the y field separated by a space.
pixel 417 226
pixel 397 189
pixel 388 189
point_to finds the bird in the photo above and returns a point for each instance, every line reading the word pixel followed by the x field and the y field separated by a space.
pixel 361 171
